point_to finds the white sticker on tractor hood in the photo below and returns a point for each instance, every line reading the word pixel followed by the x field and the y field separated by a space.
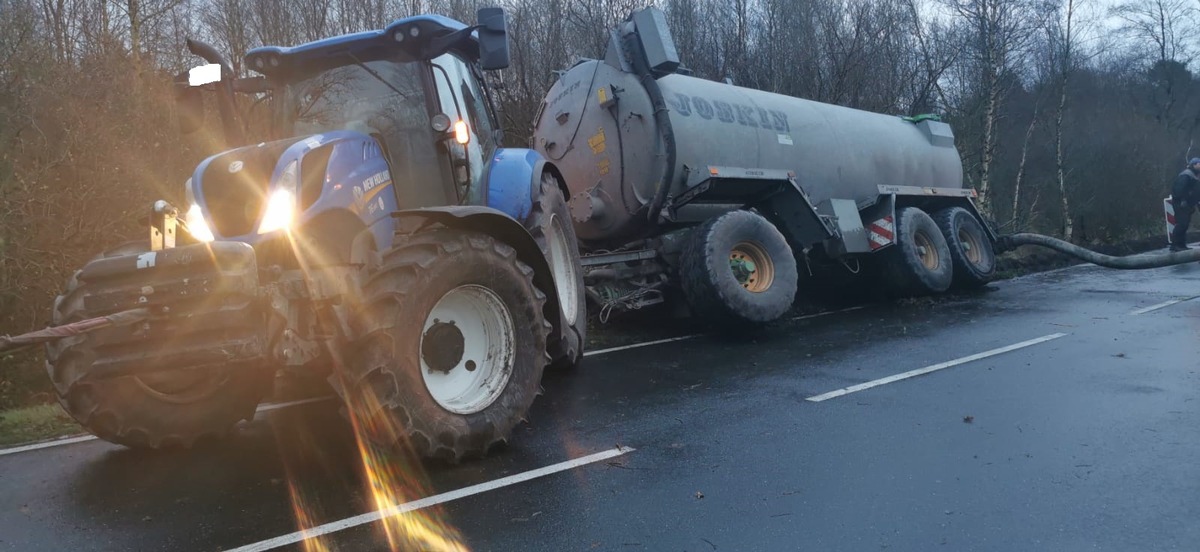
pixel 785 139
pixel 146 260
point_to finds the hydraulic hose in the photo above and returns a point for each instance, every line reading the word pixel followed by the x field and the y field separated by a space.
pixel 1131 262
pixel 662 120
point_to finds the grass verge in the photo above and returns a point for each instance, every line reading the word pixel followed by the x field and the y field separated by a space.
pixel 35 423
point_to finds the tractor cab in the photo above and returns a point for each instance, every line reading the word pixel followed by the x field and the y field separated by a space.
pixel 415 88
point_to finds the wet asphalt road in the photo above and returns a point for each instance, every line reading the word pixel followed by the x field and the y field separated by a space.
pixel 1090 441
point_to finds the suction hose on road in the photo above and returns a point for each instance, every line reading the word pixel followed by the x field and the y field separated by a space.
pixel 1140 261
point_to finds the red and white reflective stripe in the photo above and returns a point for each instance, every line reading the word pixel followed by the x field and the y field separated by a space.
pixel 1169 209
pixel 881 232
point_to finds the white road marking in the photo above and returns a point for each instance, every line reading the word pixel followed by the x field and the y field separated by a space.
pixel 1162 305
pixel 934 368
pixel 827 313
pixel 85 438
pixel 372 517
pixel 276 406
pixel 693 336
pixel 48 444
pixel 637 345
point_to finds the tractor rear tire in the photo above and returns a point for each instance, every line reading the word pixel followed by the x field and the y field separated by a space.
pixel 451 346
pixel 970 249
pixel 762 289
pixel 169 409
pixel 550 224
pixel 919 263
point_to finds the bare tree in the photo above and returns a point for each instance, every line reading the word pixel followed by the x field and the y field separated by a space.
pixel 999 33
pixel 936 57
pixel 1064 40
pixel 230 23
pixel 1167 28
pixel 141 14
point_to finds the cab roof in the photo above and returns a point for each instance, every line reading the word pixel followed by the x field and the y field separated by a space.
pixel 413 38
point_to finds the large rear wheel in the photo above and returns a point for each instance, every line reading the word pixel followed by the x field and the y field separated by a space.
pixel 919 263
pixel 160 409
pixel 452 346
pixel 737 270
pixel 970 249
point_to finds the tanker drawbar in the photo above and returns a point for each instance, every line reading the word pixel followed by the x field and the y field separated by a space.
pixel 657 162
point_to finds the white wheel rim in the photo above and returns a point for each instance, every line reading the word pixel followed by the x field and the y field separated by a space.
pixel 488 345
pixel 565 275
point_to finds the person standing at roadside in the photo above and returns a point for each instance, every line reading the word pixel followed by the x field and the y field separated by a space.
pixel 1185 192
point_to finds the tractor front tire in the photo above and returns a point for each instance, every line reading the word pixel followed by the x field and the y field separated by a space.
pixel 550 224
pixel 737 270
pixel 452 345
pixel 166 409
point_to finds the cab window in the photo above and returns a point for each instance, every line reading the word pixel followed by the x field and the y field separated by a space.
pixel 461 98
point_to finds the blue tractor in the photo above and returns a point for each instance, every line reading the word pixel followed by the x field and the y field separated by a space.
pixel 372 232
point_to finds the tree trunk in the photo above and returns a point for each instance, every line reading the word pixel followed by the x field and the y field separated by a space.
pixel 1064 75
pixel 1068 226
pixel 1016 202
pixel 989 142
pixel 135 32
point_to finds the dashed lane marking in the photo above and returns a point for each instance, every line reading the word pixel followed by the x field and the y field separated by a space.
pixel 85 438
pixel 637 345
pixel 48 444
pixel 276 406
pixel 1162 305
pixel 693 336
pixel 398 509
pixel 928 369
pixel 827 313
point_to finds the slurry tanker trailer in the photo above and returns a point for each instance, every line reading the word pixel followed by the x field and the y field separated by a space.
pixel 727 194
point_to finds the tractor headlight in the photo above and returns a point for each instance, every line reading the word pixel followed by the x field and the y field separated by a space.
pixel 281 204
pixel 196 225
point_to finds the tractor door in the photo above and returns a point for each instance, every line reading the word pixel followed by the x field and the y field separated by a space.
pixel 471 139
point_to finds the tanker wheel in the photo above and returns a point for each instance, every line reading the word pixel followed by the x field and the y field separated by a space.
pixel 971 251
pixel 550 224
pixel 920 262
pixel 452 346
pixel 159 410
pixel 738 270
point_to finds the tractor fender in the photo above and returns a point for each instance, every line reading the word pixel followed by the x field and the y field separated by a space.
pixel 496 224
pixel 514 180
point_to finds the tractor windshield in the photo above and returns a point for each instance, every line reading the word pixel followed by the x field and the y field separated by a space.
pixel 385 98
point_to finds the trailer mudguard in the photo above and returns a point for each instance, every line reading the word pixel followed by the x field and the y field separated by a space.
pixel 499 225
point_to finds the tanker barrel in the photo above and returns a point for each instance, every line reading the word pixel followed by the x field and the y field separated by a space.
pixel 632 134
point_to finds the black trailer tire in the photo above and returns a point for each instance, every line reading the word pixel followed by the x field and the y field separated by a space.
pixel 549 223
pixel 765 287
pixel 919 263
pixel 400 383
pixel 173 409
pixel 970 249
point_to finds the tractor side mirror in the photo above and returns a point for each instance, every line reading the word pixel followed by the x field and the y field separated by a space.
pixel 189 105
pixel 493 39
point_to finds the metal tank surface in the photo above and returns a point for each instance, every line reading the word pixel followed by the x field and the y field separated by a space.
pixel 598 125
